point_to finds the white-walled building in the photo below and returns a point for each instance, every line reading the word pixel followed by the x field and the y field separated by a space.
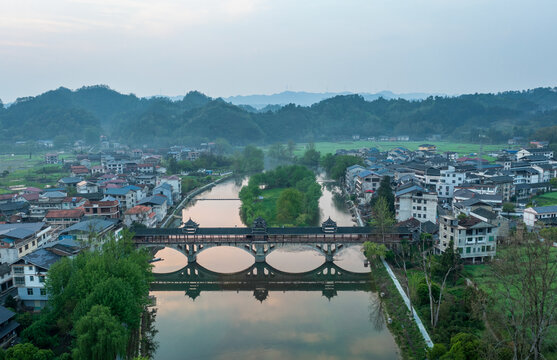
pixel 474 239
pixel 413 201
pixel 29 272
pixel 531 215
pixel 449 178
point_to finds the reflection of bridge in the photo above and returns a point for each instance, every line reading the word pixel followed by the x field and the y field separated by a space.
pixel 260 240
pixel 261 278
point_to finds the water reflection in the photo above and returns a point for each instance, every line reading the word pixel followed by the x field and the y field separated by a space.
pixel 295 259
pixel 244 316
pixel 225 259
pixel 288 325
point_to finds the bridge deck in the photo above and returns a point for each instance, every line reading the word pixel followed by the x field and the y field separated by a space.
pixel 223 235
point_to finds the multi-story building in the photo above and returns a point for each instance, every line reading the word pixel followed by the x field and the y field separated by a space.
pixel 107 208
pixel 17 240
pixel 140 214
pixel 51 158
pixel 413 201
pixel 449 178
pixel 29 272
pixel 474 239
pixel 64 218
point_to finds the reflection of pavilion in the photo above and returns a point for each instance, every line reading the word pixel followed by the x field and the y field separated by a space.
pixel 261 278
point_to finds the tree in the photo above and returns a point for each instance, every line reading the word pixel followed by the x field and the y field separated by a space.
pixel 382 218
pixel 311 156
pixel 525 289
pixel 173 166
pixel 374 251
pixel 28 351
pixel 385 191
pixel 553 183
pixel 508 207
pixel 99 335
pixel 289 205
pixel 427 265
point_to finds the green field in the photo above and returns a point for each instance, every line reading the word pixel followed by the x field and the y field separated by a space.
pixel 38 176
pixel 463 149
pixel 546 199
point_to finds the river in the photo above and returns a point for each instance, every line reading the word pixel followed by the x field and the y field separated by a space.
pixel 286 322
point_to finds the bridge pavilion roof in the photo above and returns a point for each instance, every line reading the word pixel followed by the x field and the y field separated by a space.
pixel 248 231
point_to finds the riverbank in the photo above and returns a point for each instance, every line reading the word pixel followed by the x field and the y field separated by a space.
pixel 402 319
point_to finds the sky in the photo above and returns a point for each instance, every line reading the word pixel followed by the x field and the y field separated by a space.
pixel 241 47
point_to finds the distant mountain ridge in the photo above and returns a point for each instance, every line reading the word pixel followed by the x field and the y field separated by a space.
pixel 303 98
pixel 63 114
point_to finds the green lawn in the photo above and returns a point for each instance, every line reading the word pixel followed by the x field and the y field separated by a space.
pixel 463 149
pixel 546 199
pixel 269 205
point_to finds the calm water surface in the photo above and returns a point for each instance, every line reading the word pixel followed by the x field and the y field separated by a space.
pixel 287 324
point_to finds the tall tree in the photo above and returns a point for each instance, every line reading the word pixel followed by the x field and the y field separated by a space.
pixel 100 336
pixel 385 191
pixel 382 218
pixel 525 287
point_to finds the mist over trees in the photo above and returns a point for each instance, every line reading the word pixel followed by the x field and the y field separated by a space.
pixel 90 111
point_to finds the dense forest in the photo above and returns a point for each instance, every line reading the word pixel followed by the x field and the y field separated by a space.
pixel 90 111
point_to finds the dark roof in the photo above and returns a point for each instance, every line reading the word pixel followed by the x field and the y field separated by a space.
pixel 5 314
pixel 485 213
pixel 42 258
pixel 96 225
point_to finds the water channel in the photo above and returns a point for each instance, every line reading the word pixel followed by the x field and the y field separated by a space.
pixel 275 321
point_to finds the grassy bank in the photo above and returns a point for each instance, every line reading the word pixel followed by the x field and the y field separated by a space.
pixel 402 326
pixel 546 199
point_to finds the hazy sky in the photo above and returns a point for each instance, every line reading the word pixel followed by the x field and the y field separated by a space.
pixel 232 47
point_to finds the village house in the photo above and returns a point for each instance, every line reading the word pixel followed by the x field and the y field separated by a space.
pixel 51 158
pixel 522 153
pixel 140 214
pixel 30 271
pixel 79 171
pixel 20 239
pixel 8 327
pixel 413 201
pixel 539 213
pixel 175 182
pixel 107 208
pixel 449 178
pixel 64 218
pixel 87 187
pixel 159 204
pixel 72 202
pixel 474 239
pixel 97 227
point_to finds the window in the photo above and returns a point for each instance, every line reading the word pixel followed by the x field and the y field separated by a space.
pixel 41 279
pixel 43 292
pixel 19 280
pixel 30 268
pixel 18 269
pixel 20 250
pixel 26 246
pixel 30 291
pixel 460 250
pixel 31 278
pixel 468 250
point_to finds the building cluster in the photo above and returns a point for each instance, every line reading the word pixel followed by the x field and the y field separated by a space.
pixel 100 195
pixel 459 198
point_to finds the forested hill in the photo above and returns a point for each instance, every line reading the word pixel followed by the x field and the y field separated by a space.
pixel 91 111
